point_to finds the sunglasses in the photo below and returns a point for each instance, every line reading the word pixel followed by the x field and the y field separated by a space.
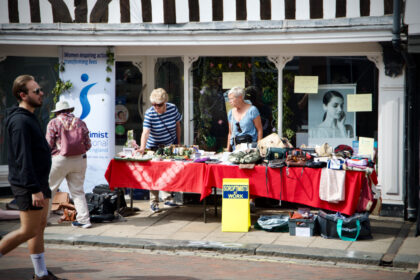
pixel 238 127
pixel 158 105
pixel 37 91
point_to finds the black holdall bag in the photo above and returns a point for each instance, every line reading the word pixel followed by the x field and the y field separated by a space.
pixel 355 227
pixel 102 203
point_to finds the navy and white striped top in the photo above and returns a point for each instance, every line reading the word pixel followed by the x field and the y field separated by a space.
pixel 162 127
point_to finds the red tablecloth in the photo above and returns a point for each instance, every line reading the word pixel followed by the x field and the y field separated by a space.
pixel 173 176
pixel 293 186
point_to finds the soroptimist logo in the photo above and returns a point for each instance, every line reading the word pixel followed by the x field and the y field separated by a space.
pixel 83 97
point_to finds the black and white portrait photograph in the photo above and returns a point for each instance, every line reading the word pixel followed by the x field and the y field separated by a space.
pixel 328 119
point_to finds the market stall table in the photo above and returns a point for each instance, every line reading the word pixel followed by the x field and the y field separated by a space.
pixel 294 184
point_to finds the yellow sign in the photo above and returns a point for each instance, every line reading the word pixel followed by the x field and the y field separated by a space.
pixel 366 146
pixel 306 84
pixel 236 216
pixel 233 79
pixel 359 102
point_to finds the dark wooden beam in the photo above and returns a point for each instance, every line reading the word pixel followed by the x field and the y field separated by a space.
pixel 217 10
pixel 35 11
pixel 316 8
pixel 60 11
pixel 364 8
pixel 80 11
pixel 125 11
pixel 265 9
pixel 13 11
pixel 241 10
pixel 169 13
pixel 290 9
pixel 99 13
pixel 146 9
pixel 194 10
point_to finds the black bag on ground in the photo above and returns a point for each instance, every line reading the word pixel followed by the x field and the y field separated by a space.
pixel 102 203
pixel 351 228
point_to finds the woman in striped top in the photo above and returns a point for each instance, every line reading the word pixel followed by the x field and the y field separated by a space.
pixel 161 126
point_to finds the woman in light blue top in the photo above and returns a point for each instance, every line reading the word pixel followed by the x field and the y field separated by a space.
pixel 244 119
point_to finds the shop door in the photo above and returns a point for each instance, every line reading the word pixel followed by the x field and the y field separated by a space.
pixel 128 102
pixel 169 73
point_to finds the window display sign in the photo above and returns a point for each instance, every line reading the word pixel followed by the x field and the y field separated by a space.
pixel 359 102
pixel 328 120
pixel 233 79
pixel 366 146
pixel 306 84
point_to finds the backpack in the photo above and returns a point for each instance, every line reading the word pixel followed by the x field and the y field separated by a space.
pixel 71 139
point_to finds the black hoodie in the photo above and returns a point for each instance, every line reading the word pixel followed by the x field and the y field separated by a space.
pixel 29 155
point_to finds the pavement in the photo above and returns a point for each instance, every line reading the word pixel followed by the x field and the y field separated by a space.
pixel 183 229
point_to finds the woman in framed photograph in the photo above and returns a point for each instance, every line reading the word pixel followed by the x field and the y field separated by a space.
pixel 333 122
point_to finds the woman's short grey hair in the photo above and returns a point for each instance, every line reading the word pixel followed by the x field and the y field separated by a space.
pixel 237 91
pixel 158 96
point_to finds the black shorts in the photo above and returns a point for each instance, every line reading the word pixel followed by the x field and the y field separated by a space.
pixel 24 197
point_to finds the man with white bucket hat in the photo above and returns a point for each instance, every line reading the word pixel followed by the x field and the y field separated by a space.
pixel 68 137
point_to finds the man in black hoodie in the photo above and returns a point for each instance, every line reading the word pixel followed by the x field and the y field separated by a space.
pixel 29 159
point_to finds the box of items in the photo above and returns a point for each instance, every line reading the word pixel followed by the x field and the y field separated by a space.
pixel 302 227
pixel 302 223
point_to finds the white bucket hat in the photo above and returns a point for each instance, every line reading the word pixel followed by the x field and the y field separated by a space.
pixel 62 105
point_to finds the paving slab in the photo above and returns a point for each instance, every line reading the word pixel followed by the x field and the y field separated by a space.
pixel 297 241
pixel 321 242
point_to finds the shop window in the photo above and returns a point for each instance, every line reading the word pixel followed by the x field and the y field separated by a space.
pixel 129 102
pixel 43 71
pixel 168 75
pixel 307 119
pixel 210 98
pixel 169 72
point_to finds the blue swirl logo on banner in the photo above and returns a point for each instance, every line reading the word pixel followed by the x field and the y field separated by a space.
pixel 83 97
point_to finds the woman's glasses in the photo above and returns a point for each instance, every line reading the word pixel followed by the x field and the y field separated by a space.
pixel 158 105
pixel 238 127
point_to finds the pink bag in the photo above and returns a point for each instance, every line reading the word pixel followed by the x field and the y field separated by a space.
pixel 366 200
pixel 71 140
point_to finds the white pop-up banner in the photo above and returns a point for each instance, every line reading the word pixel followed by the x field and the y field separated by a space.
pixel 93 98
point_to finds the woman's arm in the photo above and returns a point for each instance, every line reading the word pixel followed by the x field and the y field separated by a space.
pixel 178 132
pixel 143 140
pixel 258 127
pixel 228 140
